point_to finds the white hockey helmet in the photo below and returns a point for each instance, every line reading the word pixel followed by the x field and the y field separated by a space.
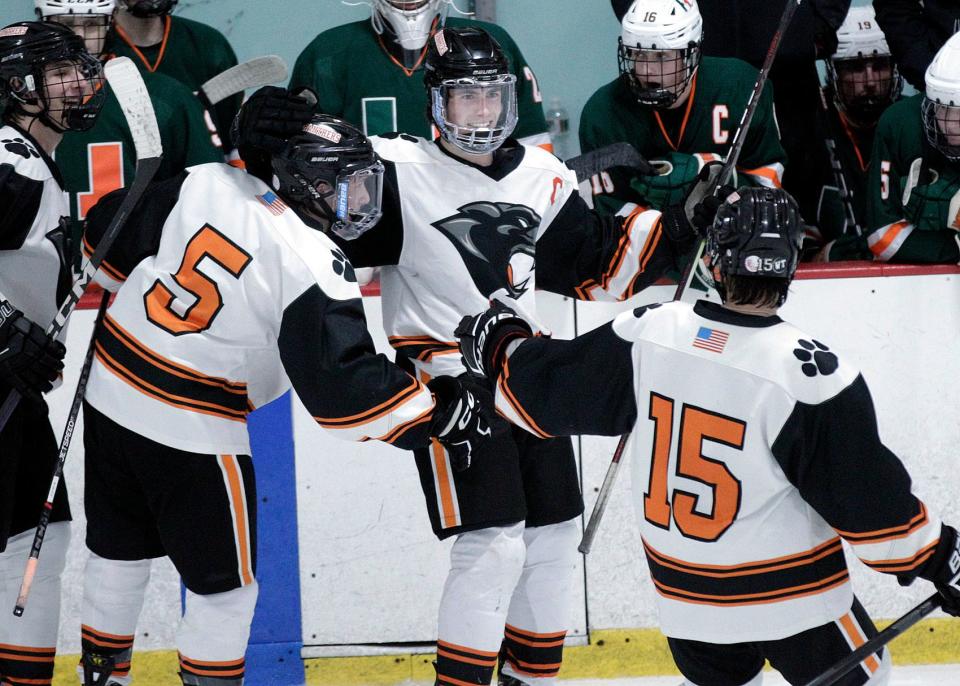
pixel 941 100
pixel 411 20
pixel 862 73
pixel 51 8
pixel 655 26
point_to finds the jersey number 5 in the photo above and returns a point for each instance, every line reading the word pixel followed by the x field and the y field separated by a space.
pixel 696 426
pixel 162 308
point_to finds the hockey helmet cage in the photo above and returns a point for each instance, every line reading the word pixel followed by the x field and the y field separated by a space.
pixel 757 233
pixel 940 109
pixel 69 99
pixel 412 22
pixel 659 49
pixel 468 76
pixel 149 8
pixel 52 8
pixel 331 171
pixel 862 74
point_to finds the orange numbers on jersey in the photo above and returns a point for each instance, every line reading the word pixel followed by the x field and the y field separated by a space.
pixel 529 75
pixel 720 135
pixel 696 427
pixel 105 174
pixel 160 300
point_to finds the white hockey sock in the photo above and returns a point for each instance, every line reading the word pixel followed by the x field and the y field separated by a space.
pixel 213 633
pixel 34 635
pixel 540 608
pixel 484 568
pixel 113 592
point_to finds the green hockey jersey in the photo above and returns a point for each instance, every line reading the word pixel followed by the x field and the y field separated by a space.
pixel 357 79
pixel 913 194
pixel 704 125
pixel 100 160
pixel 192 53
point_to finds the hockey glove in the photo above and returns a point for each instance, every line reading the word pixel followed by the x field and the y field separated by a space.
pixel 266 122
pixel 484 337
pixel 29 359
pixel 945 570
pixel 684 224
pixel 460 422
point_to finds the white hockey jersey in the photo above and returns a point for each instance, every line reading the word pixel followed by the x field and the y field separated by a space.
pixel 225 294
pixel 34 269
pixel 453 233
pixel 753 450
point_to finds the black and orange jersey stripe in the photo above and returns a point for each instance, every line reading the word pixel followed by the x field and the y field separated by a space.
pixel 422 348
pixel 167 381
pixel 762 581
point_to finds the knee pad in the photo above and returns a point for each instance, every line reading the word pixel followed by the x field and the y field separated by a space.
pixel 113 592
pixel 497 551
pixel 554 544
pixel 216 627
pixel 39 623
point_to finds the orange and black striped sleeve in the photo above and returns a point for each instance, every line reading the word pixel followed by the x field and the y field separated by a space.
pixel 566 388
pixel 832 453
pixel 141 236
pixel 344 383
pixel 587 256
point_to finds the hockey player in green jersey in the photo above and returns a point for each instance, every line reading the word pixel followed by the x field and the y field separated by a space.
pixel 103 158
pixel 186 50
pixel 371 73
pixel 676 106
pixel 862 82
pixel 913 210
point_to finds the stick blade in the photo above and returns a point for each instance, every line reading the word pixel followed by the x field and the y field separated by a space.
pixel 260 71
pixel 614 155
pixel 131 92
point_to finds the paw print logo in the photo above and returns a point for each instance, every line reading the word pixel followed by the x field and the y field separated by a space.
pixel 18 146
pixel 816 358
pixel 342 267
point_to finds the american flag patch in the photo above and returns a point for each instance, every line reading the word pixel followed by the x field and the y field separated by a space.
pixel 710 339
pixel 272 203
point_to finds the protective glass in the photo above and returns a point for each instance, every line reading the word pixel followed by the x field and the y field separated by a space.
pixel 941 125
pixel 73 92
pixel 476 116
pixel 92 28
pixel 657 77
pixel 356 200
pixel 865 86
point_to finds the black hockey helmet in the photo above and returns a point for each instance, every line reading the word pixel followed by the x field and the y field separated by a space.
pixel 331 171
pixel 149 8
pixel 469 59
pixel 46 64
pixel 757 233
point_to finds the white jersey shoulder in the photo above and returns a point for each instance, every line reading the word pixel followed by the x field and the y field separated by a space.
pixel 802 366
pixel 22 154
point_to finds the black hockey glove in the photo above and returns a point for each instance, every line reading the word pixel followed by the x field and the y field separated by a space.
pixel 29 359
pixel 944 570
pixel 484 337
pixel 460 422
pixel 688 222
pixel 266 122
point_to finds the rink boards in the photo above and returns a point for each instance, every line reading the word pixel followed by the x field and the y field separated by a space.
pixel 370 570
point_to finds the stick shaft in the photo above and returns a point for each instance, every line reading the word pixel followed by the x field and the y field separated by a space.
pixel 590 533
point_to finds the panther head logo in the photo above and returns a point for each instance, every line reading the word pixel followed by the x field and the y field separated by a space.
pixel 497 243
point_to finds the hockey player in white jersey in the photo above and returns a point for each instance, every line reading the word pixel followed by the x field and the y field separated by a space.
pixel 754 453
pixel 227 289
pixel 48 85
pixel 466 215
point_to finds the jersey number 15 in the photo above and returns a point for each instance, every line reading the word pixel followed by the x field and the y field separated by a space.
pixel 696 426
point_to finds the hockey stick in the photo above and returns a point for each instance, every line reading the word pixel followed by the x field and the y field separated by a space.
pixel 128 86
pixel 614 155
pixel 846 196
pixel 590 532
pixel 31 569
pixel 874 644
pixel 260 71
